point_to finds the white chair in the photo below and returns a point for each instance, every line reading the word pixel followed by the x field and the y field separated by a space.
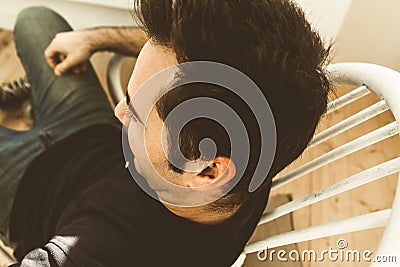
pixel 385 83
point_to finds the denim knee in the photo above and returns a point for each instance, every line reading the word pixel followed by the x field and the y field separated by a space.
pixel 33 13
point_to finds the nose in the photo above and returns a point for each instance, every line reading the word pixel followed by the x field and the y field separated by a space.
pixel 120 110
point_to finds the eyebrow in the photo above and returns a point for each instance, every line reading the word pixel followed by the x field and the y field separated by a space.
pixel 132 110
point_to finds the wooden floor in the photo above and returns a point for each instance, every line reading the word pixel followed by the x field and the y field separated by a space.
pixel 372 197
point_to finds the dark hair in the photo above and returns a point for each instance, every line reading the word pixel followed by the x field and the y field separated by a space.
pixel 268 40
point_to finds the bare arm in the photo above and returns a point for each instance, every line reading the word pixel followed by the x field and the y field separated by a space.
pixel 124 40
pixel 70 50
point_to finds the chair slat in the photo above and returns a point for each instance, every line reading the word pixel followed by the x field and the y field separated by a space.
pixel 348 98
pixel 353 146
pixel 353 224
pixel 350 122
pixel 359 179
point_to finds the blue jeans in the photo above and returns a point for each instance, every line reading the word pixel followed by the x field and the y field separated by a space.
pixel 61 105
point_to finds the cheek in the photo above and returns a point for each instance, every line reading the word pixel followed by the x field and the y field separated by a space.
pixel 135 138
pixel 153 146
pixel 144 146
pixel 147 161
pixel 153 138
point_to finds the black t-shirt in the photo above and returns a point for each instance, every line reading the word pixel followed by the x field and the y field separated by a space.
pixel 77 205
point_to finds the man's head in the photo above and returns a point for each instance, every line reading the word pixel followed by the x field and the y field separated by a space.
pixel 268 40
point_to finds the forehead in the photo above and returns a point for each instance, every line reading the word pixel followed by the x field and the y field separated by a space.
pixel 152 59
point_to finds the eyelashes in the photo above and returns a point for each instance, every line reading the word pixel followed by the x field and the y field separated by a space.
pixel 127 98
pixel 127 111
pixel 129 115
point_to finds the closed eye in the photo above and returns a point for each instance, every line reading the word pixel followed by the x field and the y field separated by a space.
pixel 130 111
pixel 129 115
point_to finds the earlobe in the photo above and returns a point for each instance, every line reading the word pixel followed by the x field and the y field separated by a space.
pixel 220 172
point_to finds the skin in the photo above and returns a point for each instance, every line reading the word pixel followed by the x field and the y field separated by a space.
pixel 69 51
pixel 151 59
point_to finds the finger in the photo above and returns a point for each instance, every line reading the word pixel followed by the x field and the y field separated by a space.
pixel 84 67
pixel 52 62
pixel 79 68
pixel 63 67
pixel 51 57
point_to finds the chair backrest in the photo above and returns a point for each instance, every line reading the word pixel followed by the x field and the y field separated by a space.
pixel 385 83
pixel 114 78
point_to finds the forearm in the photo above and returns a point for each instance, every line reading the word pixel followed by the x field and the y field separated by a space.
pixel 70 50
pixel 124 40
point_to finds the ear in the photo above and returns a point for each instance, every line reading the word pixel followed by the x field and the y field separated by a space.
pixel 220 171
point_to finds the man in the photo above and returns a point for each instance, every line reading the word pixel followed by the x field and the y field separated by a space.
pixel 74 203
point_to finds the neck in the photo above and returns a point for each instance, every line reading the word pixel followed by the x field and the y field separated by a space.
pixel 203 214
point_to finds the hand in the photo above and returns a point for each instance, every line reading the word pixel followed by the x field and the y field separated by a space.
pixel 69 51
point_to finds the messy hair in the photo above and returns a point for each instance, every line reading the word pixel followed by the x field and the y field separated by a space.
pixel 272 43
